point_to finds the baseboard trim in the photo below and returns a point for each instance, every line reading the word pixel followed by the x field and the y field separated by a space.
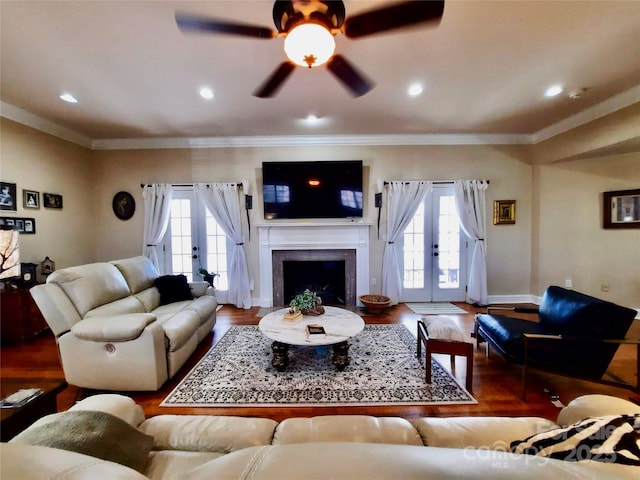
pixel 514 299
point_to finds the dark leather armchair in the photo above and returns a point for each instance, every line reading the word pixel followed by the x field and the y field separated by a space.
pixel 576 335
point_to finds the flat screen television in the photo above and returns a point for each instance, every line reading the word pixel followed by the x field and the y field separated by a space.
pixel 321 189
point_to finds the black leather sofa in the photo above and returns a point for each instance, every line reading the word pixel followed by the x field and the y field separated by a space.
pixel 575 335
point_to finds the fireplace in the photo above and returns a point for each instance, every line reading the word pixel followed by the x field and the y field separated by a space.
pixel 330 273
pixel 321 247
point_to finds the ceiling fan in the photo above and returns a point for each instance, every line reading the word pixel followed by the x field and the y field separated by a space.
pixel 309 26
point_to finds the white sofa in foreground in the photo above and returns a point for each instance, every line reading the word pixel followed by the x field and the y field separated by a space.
pixel 324 447
pixel 116 330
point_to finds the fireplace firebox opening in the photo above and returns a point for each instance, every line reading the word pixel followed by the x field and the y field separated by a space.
pixel 330 273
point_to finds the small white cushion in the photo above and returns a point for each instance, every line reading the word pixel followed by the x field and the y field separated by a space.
pixel 443 328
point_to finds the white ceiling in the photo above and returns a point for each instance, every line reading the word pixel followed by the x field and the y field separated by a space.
pixel 484 69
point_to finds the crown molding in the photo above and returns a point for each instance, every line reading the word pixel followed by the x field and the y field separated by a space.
pixel 307 140
pixel 23 117
pixel 611 105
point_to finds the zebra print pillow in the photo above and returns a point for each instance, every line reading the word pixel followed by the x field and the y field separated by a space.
pixel 610 439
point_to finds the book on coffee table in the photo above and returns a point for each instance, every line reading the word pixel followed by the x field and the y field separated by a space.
pixel 292 317
pixel 315 330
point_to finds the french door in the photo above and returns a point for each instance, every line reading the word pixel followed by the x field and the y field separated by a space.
pixel 434 250
pixel 194 240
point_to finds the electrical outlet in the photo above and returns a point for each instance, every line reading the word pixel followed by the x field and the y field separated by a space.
pixel 374 282
pixel 568 283
pixel 604 287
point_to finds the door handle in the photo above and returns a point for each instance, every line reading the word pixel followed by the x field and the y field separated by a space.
pixel 194 256
pixel 436 254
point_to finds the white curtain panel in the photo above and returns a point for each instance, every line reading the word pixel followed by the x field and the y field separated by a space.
pixel 403 199
pixel 471 203
pixel 222 200
pixel 157 208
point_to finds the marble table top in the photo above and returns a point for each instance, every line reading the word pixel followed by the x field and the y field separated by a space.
pixel 339 325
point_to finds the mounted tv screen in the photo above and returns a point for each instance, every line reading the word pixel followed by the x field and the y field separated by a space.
pixel 326 189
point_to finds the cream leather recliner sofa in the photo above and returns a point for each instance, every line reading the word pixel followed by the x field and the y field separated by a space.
pixel 324 447
pixel 111 329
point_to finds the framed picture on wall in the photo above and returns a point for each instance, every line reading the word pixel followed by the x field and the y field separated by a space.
pixel 8 200
pixel 621 209
pixel 504 212
pixel 22 225
pixel 30 199
pixel 52 200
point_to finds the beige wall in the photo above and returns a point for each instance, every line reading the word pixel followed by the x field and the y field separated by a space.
pixel 40 162
pixel 509 246
pixel 571 243
pixel 557 234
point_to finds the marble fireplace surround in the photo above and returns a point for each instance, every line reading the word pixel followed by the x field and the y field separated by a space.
pixel 317 240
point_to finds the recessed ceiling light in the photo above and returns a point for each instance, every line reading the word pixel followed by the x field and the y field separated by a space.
pixel 207 93
pixel 553 91
pixel 312 119
pixel 415 90
pixel 67 97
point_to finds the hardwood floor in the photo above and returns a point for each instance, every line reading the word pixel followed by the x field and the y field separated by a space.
pixel 496 384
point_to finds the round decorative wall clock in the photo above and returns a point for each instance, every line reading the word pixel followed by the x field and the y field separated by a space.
pixel 123 205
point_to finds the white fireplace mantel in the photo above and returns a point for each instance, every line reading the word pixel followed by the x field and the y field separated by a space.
pixel 312 236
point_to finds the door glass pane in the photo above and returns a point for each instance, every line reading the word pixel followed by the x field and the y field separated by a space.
pixel 448 244
pixel 181 237
pixel 216 258
pixel 413 251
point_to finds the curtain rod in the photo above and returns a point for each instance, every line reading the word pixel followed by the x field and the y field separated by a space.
pixel 142 185
pixel 442 182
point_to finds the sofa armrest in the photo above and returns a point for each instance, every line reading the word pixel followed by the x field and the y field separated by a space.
pixel 198 289
pixel 120 328
pixel 121 406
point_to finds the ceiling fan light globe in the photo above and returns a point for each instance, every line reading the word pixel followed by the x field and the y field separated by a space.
pixel 309 45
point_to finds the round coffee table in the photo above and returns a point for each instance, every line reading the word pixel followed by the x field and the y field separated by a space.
pixel 339 324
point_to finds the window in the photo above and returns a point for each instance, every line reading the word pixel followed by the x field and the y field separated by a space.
pixel 194 240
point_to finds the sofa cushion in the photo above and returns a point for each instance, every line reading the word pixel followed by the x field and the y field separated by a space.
pixel 180 327
pixel 139 272
pixel 121 328
pixel 204 306
pixel 507 333
pixel 206 433
pixel 150 298
pixel 123 306
pixel 347 428
pixel 32 462
pixel 89 286
pixel 608 439
pixel 493 433
pixel 173 288
pixel 92 433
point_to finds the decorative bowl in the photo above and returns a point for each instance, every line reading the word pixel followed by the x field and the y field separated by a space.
pixel 375 303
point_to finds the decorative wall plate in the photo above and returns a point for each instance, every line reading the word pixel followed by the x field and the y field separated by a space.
pixel 124 206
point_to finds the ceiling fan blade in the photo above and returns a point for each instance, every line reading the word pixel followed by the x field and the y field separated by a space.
pixel 194 23
pixel 270 87
pixel 398 15
pixel 355 81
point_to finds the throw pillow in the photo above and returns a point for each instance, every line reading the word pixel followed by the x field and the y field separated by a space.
pixel 93 433
pixel 173 288
pixel 610 439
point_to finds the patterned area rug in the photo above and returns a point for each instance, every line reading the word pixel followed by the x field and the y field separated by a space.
pixel 384 370
pixel 434 308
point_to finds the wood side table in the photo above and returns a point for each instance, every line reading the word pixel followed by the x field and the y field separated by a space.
pixel 20 316
pixel 15 420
